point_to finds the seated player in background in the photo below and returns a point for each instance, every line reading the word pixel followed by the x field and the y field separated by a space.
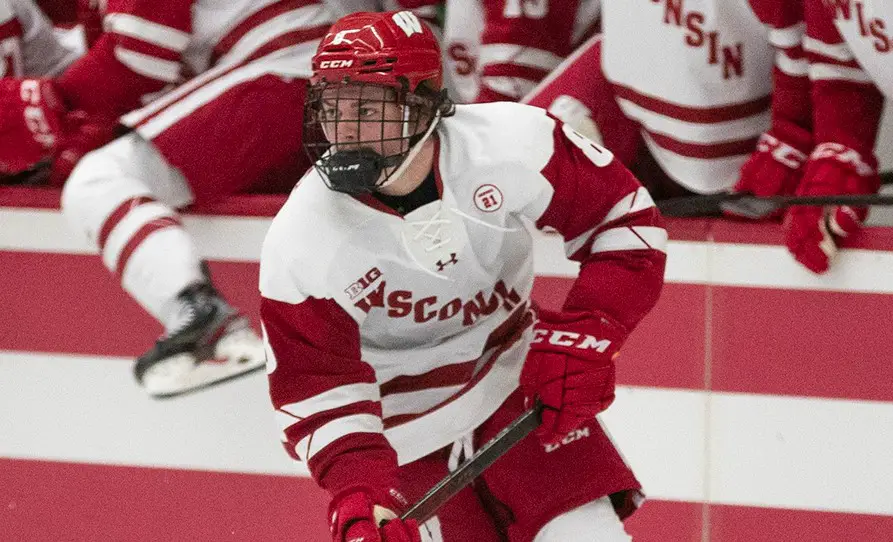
pixel 232 127
pixel 677 91
pixel 396 308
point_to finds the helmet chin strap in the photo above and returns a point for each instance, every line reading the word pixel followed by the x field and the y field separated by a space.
pixel 410 156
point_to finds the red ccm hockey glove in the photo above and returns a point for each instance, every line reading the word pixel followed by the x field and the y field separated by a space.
pixel 813 234
pixel 83 133
pixel 31 115
pixel 35 128
pixel 356 514
pixel 570 368
pixel 776 167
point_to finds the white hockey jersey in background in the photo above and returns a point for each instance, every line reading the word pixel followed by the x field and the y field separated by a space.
pixel 849 45
pixel 866 27
pixel 697 75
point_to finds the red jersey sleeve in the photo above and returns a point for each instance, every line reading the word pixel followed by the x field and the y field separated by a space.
pixel 791 101
pixel 138 54
pixel 326 398
pixel 610 225
pixel 846 103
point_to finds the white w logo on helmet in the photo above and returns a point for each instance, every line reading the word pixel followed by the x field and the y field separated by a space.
pixel 408 22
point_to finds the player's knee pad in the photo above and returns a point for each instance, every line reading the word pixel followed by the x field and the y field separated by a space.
pixel 595 520
pixel 96 187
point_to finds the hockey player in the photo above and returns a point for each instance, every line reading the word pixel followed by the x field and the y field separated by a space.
pixel 499 51
pixel 848 47
pixel 396 308
pixel 680 85
pixel 232 126
pixel 33 123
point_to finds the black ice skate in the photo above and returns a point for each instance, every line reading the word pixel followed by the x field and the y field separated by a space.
pixel 214 343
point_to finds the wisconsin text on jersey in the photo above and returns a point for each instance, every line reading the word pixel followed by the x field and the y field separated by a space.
pixel 400 303
pixel 730 58
pixel 869 26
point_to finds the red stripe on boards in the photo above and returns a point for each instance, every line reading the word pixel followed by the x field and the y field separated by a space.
pixel 799 342
pixel 731 231
pixel 736 523
pixel 45 500
pixel 772 341
pixel 72 304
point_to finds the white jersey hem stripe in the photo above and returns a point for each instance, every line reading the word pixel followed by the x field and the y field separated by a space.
pixel 316 441
pixel 830 72
pixel 506 53
pixel 416 402
pixel 332 399
pixel 790 36
pixel 795 67
pixel 840 52
pixel 147 31
pixel 149 66
pixel 305 17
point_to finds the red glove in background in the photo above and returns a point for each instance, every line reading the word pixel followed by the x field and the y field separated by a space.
pixel 813 234
pixel 82 134
pixel 355 514
pixel 570 368
pixel 775 167
pixel 30 122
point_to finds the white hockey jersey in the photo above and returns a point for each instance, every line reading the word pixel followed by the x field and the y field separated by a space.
pixel 406 332
pixel 849 45
pixel 866 27
pixel 697 76
pixel 28 44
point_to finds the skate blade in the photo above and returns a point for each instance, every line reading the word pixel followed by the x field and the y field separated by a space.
pixel 236 354
pixel 196 387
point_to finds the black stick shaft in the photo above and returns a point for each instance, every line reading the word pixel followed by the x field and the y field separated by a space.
pixel 694 206
pixel 444 490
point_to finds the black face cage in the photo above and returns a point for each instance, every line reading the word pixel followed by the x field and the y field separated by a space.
pixel 355 139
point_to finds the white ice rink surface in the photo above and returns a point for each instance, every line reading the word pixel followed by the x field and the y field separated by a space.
pixel 805 453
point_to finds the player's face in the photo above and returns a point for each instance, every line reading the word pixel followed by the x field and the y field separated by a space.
pixel 365 116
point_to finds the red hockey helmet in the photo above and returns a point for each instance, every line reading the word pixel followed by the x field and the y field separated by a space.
pixel 394 49
pixel 374 98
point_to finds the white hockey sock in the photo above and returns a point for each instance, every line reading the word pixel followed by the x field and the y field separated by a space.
pixel 159 268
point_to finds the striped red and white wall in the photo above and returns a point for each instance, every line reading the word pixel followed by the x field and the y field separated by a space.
pixel 755 401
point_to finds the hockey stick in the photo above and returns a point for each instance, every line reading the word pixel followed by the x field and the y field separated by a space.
pixel 504 441
pixel 755 207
